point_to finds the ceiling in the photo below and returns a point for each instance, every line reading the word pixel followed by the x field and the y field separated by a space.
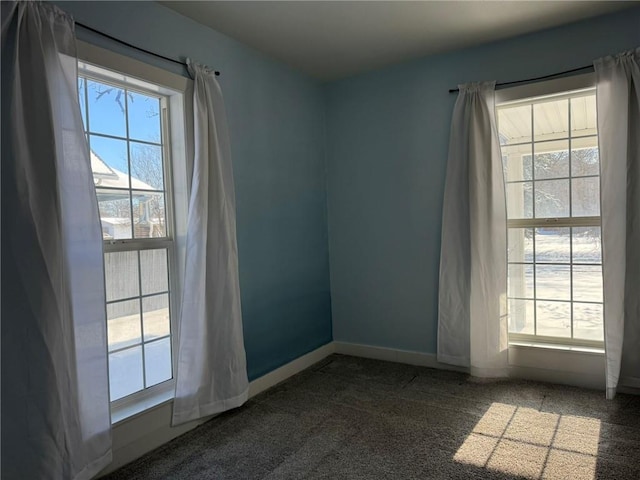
pixel 334 39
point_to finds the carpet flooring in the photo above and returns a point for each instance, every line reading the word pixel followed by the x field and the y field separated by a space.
pixel 354 418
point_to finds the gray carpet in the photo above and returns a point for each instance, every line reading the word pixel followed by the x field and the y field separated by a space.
pixel 353 418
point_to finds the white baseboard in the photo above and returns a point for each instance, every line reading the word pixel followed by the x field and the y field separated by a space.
pixel 138 435
pixel 567 367
pixel 394 355
pixel 629 385
pixel 582 380
pixel 296 366
pixel 555 366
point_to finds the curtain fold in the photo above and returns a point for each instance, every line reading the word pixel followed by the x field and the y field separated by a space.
pixel 618 104
pixel 55 401
pixel 472 323
pixel 211 374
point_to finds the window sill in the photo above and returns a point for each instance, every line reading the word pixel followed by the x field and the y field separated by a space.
pixel 122 413
pixel 557 347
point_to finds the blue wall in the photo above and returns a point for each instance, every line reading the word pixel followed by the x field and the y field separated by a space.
pixel 388 134
pixel 276 118
pixel 373 148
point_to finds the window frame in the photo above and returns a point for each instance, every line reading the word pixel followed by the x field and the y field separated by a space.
pixel 557 89
pixel 109 67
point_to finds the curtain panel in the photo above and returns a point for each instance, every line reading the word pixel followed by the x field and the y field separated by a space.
pixel 55 389
pixel 212 374
pixel 472 322
pixel 618 104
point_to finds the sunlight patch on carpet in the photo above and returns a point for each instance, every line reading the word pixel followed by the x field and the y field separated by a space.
pixel 530 444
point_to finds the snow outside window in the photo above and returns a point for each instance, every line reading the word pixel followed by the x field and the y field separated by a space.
pixel 551 169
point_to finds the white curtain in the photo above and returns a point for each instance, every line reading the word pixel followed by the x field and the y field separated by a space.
pixel 55 400
pixel 472 324
pixel 618 103
pixel 212 374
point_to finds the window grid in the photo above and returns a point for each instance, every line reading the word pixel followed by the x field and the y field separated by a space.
pixel 520 144
pixel 569 162
pixel 138 244
pixel 116 137
pixel 536 224
pixel 140 306
pixel 554 178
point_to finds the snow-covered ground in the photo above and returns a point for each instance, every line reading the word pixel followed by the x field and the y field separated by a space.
pixel 570 270
pixel 126 366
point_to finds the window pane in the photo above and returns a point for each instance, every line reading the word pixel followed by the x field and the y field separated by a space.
pixel 552 198
pixel 125 372
pixel 115 213
pixel 585 197
pixel 587 321
pixel 515 124
pixel 587 283
pixel 583 116
pixel 521 316
pixel 155 312
pixel 587 247
pixel 146 167
pixel 553 319
pixel 551 120
pixel 106 109
pixel 551 169
pixel 551 159
pixel 125 135
pixel 121 275
pixel 81 100
pixel 157 361
pixel 519 200
pixel 123 325
pixel 553 245
pixel 110 163
pixel 520 245
pixel 553 282
pixel 584 157
pixel 520 281
pixel 516 160
pixel 154 274
pixel 148 214
pixel 144 117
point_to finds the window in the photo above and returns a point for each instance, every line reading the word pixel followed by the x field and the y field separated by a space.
pixel 551 166
pixel 135 132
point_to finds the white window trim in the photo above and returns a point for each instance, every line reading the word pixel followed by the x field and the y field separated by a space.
pixel 558 86
pixel 178 127
pixel 551 89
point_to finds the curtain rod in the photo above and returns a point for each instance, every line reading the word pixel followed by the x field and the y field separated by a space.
pixel 516 82
pixel 86 27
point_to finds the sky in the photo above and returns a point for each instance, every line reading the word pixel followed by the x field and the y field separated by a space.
pixel 106 116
